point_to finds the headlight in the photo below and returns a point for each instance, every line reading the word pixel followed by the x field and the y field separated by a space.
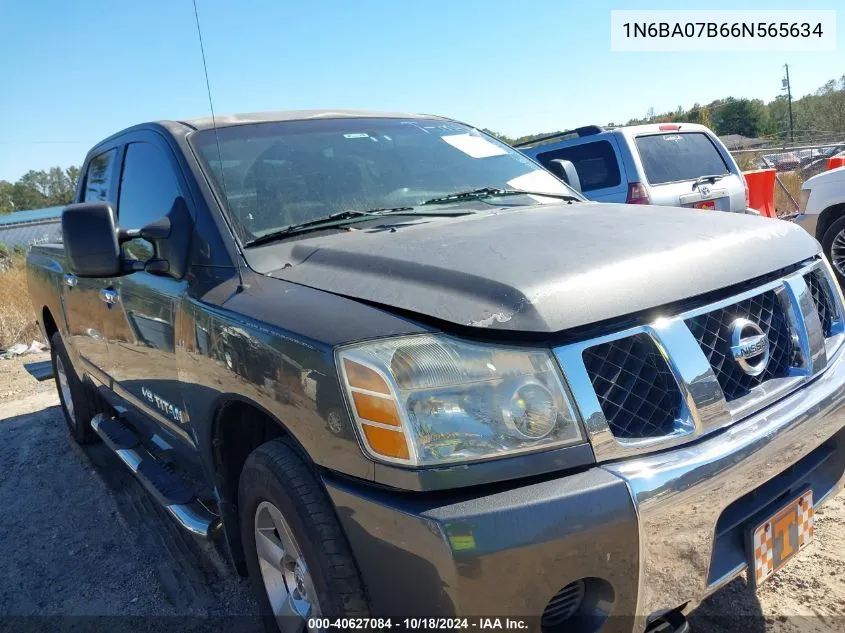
pixel 426 400
pixel 803 197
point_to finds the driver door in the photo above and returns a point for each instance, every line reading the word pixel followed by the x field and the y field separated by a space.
pixel 142 343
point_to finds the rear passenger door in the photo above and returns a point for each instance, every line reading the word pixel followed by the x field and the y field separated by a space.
pixel 599 168
pixel 143 349
pixel 87 311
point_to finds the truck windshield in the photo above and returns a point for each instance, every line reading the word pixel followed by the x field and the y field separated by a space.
pixel 277 174
pixel 674 157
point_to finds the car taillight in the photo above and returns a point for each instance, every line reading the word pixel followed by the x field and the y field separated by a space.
pixel 669 127
pixel 637 193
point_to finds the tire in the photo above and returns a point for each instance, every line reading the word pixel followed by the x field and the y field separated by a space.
pixel 827 246
pixel 78 400
pixel 275 477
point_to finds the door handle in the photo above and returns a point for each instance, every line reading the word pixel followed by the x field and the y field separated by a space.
pixel 108 295
pixel 70 280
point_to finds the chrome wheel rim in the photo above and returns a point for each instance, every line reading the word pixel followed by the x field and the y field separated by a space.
pixel 837 253
pixel 287 581
pixel 64 387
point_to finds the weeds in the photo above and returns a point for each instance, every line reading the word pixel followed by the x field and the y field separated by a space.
pixel 792 180
pixel 17 321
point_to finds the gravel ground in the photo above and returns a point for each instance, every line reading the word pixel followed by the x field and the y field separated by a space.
pixel 81 539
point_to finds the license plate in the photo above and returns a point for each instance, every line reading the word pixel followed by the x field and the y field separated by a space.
pixel 780 537
pixel 706 204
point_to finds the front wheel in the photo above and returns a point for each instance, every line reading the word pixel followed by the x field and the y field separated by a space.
pixel 833 244
pixel 297 555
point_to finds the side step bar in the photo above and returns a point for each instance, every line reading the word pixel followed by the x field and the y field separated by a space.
pixel 163 485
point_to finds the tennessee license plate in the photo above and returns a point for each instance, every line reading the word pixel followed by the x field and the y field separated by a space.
pixel 780 537
pixel 707 204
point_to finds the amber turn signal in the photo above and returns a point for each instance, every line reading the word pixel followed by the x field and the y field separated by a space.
pixel 376 409
pixel 361 377
pixel 386 441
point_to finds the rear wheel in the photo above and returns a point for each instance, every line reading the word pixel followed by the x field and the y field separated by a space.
pixel 296 552
pixel 833 244
pixel 77 398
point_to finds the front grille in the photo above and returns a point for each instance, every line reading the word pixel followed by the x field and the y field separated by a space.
pixel 713 332
pixel 821 297
pixel 651 387
pixel 636 390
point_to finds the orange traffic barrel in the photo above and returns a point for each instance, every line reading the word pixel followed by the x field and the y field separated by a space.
pixel 835 161
pixel 761 191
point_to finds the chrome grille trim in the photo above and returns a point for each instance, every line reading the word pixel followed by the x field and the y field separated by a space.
pixel 615 367
pixel 770 311
pixel 705 408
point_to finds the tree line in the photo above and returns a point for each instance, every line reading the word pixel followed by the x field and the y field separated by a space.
pixel 816 116
pixel 37 189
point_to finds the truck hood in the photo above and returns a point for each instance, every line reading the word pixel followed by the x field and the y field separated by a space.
pixel 540 268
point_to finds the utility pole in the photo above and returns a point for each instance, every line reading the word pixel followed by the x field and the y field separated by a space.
pixel 788 88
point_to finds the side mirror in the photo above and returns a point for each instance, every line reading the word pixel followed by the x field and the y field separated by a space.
pixel 89 231
pixel 565 170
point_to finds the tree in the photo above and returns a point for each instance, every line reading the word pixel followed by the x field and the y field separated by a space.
pixel 60 186
pixel 39 188
pixel 696 114
pixel 738 116
pixel 7 205
pixel 26 197
pixel 38 181
pixel 73 174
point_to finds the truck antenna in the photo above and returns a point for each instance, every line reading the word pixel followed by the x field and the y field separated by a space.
pixel 214 125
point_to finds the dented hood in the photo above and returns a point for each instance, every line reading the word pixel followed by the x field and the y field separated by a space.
pixel 540 268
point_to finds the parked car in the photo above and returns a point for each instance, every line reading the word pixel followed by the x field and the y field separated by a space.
pixel 669 164
pixel 787 162
pixel 402 370
pixel 821 212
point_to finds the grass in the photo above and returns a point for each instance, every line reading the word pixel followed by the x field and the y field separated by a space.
pixel 17 321
pixel 792 180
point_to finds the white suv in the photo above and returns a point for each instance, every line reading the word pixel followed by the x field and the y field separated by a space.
pixel 821 212
pixel 671 164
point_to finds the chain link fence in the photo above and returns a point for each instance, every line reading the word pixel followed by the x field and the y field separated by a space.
pixel 794 163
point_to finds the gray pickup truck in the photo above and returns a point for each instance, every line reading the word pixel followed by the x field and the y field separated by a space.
pixel 401 371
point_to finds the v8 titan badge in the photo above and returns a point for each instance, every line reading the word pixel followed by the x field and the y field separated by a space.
pixel 780 537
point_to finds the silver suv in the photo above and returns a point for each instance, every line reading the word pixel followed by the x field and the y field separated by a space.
pixel 669 164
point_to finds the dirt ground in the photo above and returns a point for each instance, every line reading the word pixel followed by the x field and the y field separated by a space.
pixel 80 537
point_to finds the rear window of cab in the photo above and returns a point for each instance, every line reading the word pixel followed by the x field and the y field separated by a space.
pixel 679 156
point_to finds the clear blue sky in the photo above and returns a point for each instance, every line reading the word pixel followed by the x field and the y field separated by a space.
pixel 75 72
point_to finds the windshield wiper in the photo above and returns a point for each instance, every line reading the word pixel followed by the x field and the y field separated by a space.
pixel 711 179
pixel 489 192
pixel 344 218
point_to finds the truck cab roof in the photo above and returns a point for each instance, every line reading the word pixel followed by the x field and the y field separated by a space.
pixel 245 118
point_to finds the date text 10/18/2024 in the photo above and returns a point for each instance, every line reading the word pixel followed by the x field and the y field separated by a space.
pixel 415 624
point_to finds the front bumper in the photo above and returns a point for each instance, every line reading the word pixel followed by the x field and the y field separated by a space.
pixel 504 553
pixel 663 530
pixel 808 222
pixel 695 501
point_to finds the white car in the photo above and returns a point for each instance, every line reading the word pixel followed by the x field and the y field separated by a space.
pixel 822 214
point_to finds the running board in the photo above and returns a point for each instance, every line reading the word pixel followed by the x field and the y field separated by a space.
pixel 164 486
